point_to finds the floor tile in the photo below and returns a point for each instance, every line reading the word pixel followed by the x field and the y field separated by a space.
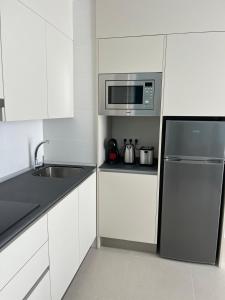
pixel 209 282
pixel 115 274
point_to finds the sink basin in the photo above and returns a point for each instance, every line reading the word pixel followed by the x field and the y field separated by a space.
pixel 59 171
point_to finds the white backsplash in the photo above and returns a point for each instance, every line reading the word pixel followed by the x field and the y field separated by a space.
pixel 145 129
pixel 17 143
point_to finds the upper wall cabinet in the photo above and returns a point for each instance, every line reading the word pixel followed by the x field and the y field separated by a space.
pixel 134 54
pixel 59 74
pixel 145 17
pixel 194 75
pixel 57 12
pixel 24 62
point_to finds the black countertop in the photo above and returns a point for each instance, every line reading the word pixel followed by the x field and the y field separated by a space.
pixel 43 191
pixel 134 168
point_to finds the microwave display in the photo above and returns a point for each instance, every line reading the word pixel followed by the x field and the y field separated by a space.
pixel 125 94
pixel 130 94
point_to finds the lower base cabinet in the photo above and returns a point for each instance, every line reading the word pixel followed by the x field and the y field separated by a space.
pixel 87 215
pixel 72 230
pixel 63 244
pixel 128 206
pixel 42 291
pixel 41 263
pixel 23 282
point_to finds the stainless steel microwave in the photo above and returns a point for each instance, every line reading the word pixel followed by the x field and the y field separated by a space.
pixel 136 94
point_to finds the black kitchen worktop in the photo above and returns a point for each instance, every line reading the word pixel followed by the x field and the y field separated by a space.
pixel 44 192
pixel 133 168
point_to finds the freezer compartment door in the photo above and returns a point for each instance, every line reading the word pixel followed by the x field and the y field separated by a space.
pixel 191 210
pixel 195 139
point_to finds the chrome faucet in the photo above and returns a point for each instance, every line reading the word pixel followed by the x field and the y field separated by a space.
pixel 38 164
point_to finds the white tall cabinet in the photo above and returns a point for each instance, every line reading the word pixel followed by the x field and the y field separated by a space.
pixel 57 12
pixel 194 75
pixel 63 244
pixel 24 62
pixel 59 73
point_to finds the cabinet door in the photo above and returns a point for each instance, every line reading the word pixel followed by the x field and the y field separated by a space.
pixel 87 215
pixel 59 74
pixel 128 206
pixel 148 17
pixel 130 55
pixel 42 291
pixel 1 78
pixel 194 75
pixel 63 244
pixel 57 12
pixel 24 62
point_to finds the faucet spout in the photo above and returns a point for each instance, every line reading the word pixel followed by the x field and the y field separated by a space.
pixel 38 164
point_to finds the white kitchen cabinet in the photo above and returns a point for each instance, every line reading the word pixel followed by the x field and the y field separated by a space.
pixel 1 67
pixel 131 55
pixel 27 277
pixel 57 12
pixel 1 77
pixel 42 291
pixel 24 62
pixel 128 206
pixel 20 251
pixel 147 17
pixel 87 215
pixel 59 74
pixel 194 75
pixel 63 244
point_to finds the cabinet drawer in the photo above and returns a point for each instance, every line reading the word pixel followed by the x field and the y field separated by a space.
pixel 14 257
pixel 27 277
pixel 42 291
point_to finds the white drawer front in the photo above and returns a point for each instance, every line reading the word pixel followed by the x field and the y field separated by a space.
pixel 42 291
pixel 14 257
pixel 26 278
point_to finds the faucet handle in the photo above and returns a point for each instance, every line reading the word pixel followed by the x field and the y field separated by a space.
pixel 38 163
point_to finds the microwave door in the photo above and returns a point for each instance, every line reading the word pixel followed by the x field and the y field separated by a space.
pixel 124 95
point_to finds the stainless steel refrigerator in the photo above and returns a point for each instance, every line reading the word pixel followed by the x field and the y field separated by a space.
pixel 193 167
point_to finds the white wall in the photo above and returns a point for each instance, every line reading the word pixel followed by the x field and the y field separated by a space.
pixel 17 143
pixel 74 140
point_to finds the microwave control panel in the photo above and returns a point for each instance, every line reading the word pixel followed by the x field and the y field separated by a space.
pixel 148 95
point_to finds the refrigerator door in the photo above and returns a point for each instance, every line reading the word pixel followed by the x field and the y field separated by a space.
pixel 196 139
pixel 191 210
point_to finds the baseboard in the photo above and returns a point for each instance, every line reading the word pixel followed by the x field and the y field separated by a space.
pixel 128 245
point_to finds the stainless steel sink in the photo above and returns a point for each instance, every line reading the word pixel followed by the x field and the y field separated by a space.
pixel 58 171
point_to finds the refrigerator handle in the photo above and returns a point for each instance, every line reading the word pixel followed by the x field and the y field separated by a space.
pixel 173 158
pixel 196 161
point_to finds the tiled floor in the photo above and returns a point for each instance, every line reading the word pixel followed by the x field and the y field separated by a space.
pixel 113 274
